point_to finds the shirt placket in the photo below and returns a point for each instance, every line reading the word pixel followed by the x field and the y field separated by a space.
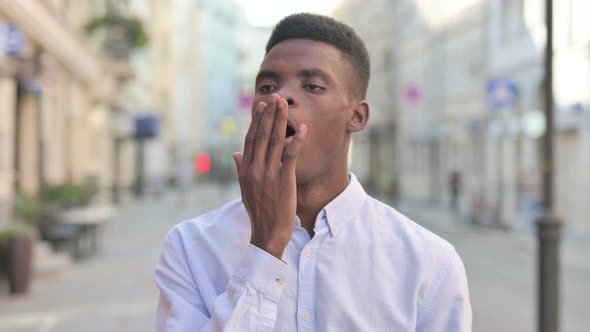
pixel 307 277
pixel 306 293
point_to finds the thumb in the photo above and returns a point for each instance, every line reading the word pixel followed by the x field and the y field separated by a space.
pixel 238 160
pixel 290 154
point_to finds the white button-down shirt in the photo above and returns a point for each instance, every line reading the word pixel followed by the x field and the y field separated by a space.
pixel 368 268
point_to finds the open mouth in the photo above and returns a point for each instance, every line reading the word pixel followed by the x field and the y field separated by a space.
pixel 290 131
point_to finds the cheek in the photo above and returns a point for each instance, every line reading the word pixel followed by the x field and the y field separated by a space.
pixel 325 138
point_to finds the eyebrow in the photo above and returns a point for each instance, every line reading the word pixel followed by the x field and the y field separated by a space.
pixel 315 72
pixel 305 73
pixel 264 74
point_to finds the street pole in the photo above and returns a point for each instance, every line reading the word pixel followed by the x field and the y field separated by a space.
pixel 549 227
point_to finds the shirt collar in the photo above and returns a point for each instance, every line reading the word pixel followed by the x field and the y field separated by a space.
pixel 345 206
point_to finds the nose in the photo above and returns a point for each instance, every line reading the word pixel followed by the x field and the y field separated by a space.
pixel 287 93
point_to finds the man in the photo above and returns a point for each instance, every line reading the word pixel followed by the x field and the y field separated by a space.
pixel 455 189
pixel 306 249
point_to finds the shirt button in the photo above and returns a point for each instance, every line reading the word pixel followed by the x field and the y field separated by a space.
pixel 335 230
pixel 305 316
pixel 281 282
pixel 307 252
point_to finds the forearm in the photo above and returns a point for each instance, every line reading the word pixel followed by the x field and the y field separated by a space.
pixel 249 302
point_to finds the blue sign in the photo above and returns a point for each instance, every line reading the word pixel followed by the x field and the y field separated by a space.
pixel 12 40
pixel 502 94
pixel 146 126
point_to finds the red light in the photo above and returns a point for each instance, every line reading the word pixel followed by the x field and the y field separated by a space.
pixel 203 163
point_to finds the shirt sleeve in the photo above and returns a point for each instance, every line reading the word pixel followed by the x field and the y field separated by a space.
pixel 446 306
pixel 249 302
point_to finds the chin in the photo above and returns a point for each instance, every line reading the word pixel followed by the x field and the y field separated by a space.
pixel 303 176
pixel 307 175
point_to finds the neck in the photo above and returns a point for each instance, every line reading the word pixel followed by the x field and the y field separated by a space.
pixel 313 196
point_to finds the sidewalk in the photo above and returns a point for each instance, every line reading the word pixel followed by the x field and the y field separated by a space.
pixel 575 246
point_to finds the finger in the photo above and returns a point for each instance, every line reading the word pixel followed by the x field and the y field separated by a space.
pixel 277 137
pixel 238 160
pixel 263 131
pixel 251 134
pixel 291 153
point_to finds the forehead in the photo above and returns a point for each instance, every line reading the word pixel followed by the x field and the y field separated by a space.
pixel 301 54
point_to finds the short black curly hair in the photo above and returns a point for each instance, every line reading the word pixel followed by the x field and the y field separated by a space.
pixel 330 31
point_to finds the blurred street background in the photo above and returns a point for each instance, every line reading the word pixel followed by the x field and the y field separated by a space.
pixel 118 119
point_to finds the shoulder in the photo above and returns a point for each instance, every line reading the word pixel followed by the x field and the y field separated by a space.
pixel 208 245
pixel 432 262
pixel 218 225
pixel 428 253
pixel 405 229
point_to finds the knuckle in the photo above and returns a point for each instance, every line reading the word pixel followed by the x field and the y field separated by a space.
pixel 260 133
pixel 255 176
pixel 275 139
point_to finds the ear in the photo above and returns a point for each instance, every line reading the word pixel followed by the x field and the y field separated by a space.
pixel 359 117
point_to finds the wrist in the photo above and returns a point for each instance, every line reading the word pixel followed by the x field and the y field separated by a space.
pixel 275 247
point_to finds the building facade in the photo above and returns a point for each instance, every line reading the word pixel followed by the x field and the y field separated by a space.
pixel 467 87
pixel 58 93
pixel 196 77
pixel 516 51
pixel 374 156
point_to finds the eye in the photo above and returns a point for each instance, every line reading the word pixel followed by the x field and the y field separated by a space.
pixel 314 88
pixel 266 88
